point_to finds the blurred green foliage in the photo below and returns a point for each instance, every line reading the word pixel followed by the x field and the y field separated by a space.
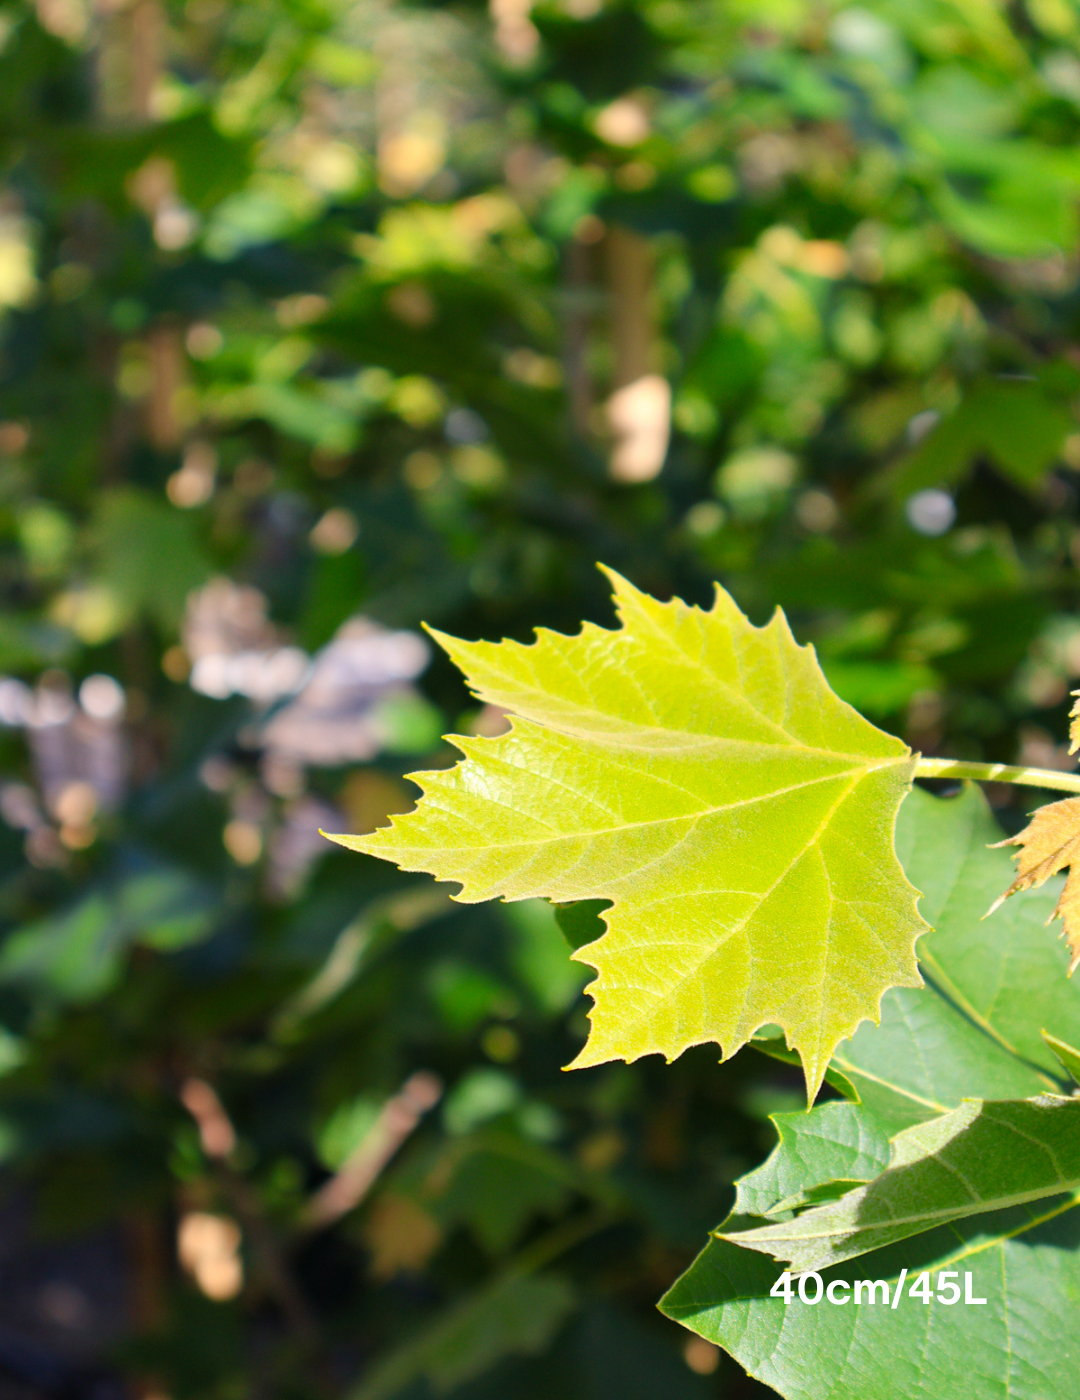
pixel 316 311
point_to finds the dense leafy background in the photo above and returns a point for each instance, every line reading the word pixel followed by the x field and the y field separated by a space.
pixel 328 300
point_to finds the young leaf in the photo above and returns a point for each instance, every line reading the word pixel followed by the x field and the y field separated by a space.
pixel 980 1157
pixel 698 772
pixel 1049 843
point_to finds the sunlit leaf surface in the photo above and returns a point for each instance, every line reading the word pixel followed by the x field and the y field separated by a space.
pixel 699 773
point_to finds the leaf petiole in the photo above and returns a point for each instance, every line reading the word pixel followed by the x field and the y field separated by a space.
pixel 997 773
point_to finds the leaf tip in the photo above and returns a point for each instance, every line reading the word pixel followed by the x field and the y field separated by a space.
pixel 814 1068
pixel 351 843
pixel 584 1060
pixel 622 590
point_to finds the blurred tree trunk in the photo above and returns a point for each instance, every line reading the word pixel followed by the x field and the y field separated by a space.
pixel 639 409
pixel 629 259
pixel 577 294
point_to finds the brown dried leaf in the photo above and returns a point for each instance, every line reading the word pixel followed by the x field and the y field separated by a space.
pixel 1049 843
pixel 401 1235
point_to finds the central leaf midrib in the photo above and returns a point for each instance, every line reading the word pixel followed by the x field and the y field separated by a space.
pixel 985 1205
pixel 688 974
pixel 513 698
pixel 504 844
pixel 999 1240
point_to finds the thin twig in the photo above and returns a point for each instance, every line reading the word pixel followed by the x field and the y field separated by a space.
pixel 396 1121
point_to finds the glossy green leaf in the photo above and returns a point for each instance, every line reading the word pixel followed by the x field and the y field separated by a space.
pixel 839 1141
pixel 980 1157
pixel 1017 1345
pixel 992 984
pixel 698 772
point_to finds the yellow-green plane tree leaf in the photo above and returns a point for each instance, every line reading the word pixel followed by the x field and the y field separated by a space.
pixel 698 772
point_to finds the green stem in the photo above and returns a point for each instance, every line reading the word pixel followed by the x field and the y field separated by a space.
pixel 996 773
pixel 561 1240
